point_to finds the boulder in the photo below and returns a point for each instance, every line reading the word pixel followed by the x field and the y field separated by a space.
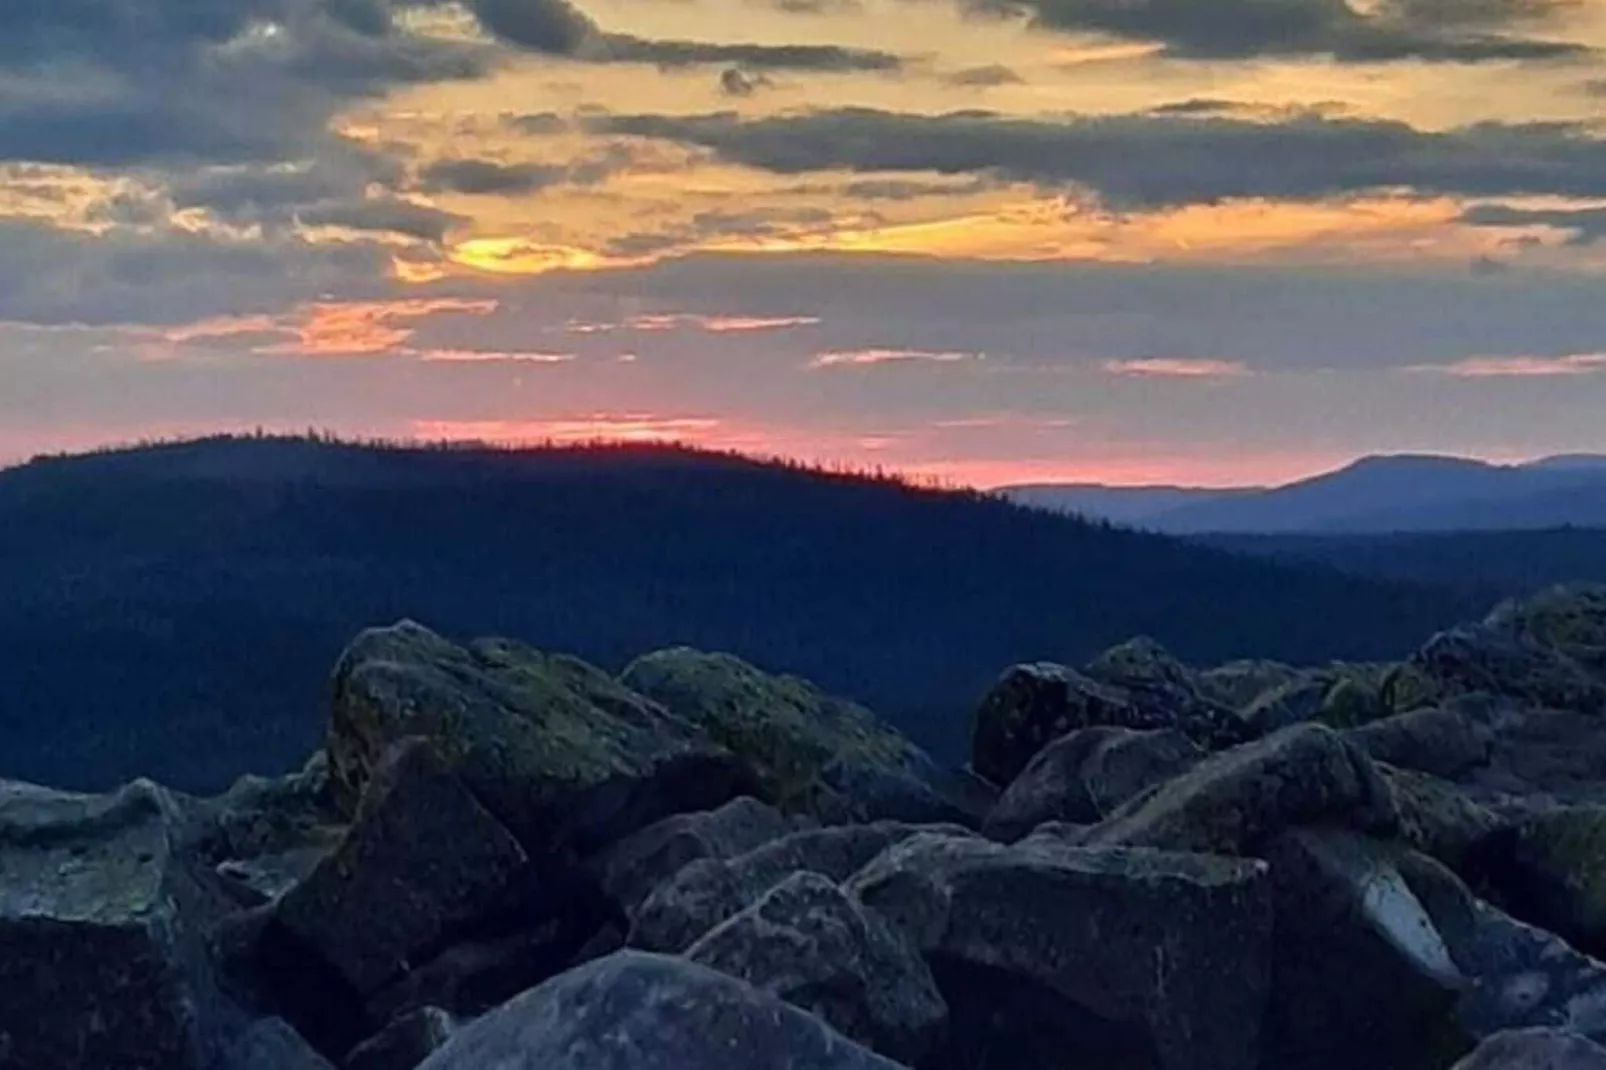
pixel 272 1044
pixel 813 753
pixel 629 870
pixel 423 862
pixel 1539 758
pixel 1570 618
pixel 1084 776
pixel 475 975
pixel 1536 1049
pixel 640 1011
pixel 1360 976
pixel 1551 870
pixel 813 946
pixel 1520 976
pixel 404 1043
pixel 265 834
pixel 103 962
pixel 557 750
pixel 1050 954
pixel 1439 818
pixel 1299 701
pixel 1237 684
pixel 709 891
pixel 1443 742
pixel 1235 801
pixel 1032 705
pixel 1483 658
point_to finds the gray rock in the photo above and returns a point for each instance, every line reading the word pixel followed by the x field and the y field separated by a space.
pixel 102 956
pixel 422 862
pixel 557 750
pixel 1047 952
pixel 1536 1049
pixel 1570 618
pixel 710 890
pixel 404 1043
pixel 638 1011
pixel 629 870
pixel 1439 818
pixel 1499 661
pixel 1521 977
pixel 814 753
pixel 1084 776
pixel 272 1044
pixel 1361 975
pixel 1440 742
pixel 1237 800
pixel 1032 705
pixel 1551 870
pixel 813 946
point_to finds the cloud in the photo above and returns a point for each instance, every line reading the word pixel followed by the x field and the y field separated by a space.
pixel 614 427
pixel 1587 224
pixel 357 328
pixel 818 7
pixel 1464 31
pixel 694 321
pixel 476 176
pixel 1146 160
pixel 861 358
pixel 490 356
pixel 1200 106
pixel 557 27
pixel 1177 368
pixel 993 74
pixel 1517 367
pixel 384 215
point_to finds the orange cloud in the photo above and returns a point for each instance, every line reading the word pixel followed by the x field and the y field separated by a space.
pixel 858 358
pixel 1519 367
pixel 1178 368
pixel 218 327
pixel 350 328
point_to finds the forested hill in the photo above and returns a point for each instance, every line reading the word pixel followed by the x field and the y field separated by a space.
pixel 173 611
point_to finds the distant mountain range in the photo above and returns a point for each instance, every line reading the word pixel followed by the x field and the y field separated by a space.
pixel 1382 494
pixel 173 611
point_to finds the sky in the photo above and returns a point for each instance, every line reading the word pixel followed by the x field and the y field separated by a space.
pixel 984 241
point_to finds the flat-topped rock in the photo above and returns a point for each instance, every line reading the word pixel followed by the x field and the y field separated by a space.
pixel 557 750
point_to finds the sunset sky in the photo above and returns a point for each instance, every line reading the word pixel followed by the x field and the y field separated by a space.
pixel 1210 241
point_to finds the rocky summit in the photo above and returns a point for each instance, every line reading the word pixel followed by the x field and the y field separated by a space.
pixel 504 858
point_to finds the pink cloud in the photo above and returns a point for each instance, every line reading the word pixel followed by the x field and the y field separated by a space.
pixel 1519 367
pixel 1178 368
pixel 859 358
pixel 694 321
pixel 488 356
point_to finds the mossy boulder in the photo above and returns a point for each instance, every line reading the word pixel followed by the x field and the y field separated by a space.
pixel 1569 618
pixel 1443 742
pixel 556 749
pixel 1237 684
pixel 1536 1049
pixel 1438 818
pixel 1551 870
pixel 1235 801
pixel 813 753
pixel 1032 705
pixel 1498 661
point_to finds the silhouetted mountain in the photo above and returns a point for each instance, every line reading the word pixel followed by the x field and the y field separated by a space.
pixel 173 611
pixel 1399 493
pixel 1488 565
pixel 1120 505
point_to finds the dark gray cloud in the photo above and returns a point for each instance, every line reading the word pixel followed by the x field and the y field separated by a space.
pixel 735 82
pixel 383 215
pixel 1466 31
pixel 477 176
pixel 539 123
pixel 993 74
pixel 557 27
pixel 1587 224
pixel 177 82
pixel 52 275
pixel 1148 160
pixel 817 7
pixel 1201 106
